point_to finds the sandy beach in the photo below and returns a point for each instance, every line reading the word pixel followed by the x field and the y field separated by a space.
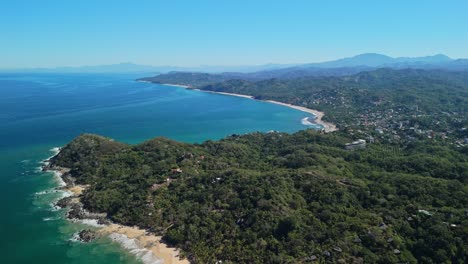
pixel 145 246
pixel 230 94
pixel 131 237
pixel 175 85
pixel 327 126
pixel 76 190
pixel 205 91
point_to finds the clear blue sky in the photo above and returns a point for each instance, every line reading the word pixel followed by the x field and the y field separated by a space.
pixel 224 32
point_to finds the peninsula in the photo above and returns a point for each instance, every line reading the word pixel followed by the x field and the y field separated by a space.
pixel 272 198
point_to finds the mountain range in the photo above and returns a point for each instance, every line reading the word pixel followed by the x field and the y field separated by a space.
pixel 128 67
pixel 343 66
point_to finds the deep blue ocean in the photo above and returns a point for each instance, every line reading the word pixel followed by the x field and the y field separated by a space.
pixel 41 111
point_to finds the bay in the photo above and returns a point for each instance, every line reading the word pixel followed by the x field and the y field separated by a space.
pixel 41 111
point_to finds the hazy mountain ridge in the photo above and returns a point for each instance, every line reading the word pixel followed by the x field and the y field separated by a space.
pixel 384 98
pixel 341 67
pixel 128 67
pixel 345 66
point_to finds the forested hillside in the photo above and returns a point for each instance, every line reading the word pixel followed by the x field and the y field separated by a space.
pixel 281 198
pixel 390 105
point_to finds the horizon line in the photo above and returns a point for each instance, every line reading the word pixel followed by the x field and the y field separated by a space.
pixel 216 65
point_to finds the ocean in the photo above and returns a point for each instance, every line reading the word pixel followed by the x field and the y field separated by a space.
pixel 39 112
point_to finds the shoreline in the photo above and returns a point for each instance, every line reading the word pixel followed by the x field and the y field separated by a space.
pixel 327 126
pixel 146 247
pixel 175 85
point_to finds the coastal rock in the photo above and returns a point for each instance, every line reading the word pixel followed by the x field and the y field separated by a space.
pixel 64 202
pixel 68 179
pixel 103 221
pixel 76 212
pixel 86 235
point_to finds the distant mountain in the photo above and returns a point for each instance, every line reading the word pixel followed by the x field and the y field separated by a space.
pixel 379 60
pixel 367 59
pixel 111 68
pixel 363 62
pixel 341 67
pixel 147 69
pixel 345 66
pixel 435 59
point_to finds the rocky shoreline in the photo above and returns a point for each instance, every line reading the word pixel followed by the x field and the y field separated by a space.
pixel 75 209
pixel 146 246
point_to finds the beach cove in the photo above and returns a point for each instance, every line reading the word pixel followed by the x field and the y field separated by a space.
pixel 318 115
pixel 145 246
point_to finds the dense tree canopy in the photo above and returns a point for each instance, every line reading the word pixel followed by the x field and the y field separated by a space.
pixel 280 198
pixel 404 104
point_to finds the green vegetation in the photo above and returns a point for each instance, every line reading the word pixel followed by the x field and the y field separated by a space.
pixel 300 198
pixel 429 100
pixel 280 198
pixel 402 105
pixel 188 78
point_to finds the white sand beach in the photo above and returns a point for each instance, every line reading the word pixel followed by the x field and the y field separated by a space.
pixel 147 247
pixel 327 126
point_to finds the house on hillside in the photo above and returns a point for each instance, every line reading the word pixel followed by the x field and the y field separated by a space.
pixel 358 144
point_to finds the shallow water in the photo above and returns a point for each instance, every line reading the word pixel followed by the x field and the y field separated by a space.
pixel 41 111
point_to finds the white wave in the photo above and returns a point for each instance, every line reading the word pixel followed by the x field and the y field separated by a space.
pixel 132 245
pixel 47 192
pixel 25 161
pixel 305 121
pixel 64 194
pixel 90 222
pixel 75 237
pixel 50 219
pixel 54 207
pixel 58 178
pixel 56 150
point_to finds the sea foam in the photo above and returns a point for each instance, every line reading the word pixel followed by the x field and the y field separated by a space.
pixel 75 237
pixel 306 121
pixel 90 222
pixel 58 178
pixel 132 245
pixel 47 192
pixel 50 219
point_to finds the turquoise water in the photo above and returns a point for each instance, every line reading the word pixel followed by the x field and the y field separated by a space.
pixel 42 111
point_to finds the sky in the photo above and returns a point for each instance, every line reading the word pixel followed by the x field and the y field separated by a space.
pixel 213 32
